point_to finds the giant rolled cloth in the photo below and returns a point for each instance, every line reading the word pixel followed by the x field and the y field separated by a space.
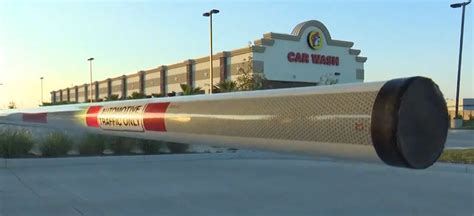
pixel 402 122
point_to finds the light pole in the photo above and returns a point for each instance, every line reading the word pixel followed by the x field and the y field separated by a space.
pixel 90 71
pixel 457 5
pixel 211 74
pixel 41 78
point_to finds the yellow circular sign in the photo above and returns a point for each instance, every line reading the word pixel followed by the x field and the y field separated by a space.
pixel 315 39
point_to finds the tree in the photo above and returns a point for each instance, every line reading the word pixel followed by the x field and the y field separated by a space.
pixel 57 103
pixel 156 95
pixel 249 79
pixel 113 97
pixel 12 105
pixel 328 79
pixel 189 90
pixel 225 86
pixel 137 95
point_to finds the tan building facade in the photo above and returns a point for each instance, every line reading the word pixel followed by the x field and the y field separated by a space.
pixel 307 56
pixel 465 108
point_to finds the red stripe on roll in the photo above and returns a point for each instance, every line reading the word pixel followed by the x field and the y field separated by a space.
pixel 154 117
pixel 91 117
pixel 35 117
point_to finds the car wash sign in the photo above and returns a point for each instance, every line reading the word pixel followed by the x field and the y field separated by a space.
pixel 315 42
pixel 298 57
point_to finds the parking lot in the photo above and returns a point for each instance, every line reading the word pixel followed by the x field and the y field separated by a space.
pixel 242 183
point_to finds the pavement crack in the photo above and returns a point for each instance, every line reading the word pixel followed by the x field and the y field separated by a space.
pixel 24 183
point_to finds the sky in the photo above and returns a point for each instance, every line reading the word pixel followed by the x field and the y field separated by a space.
pixel 53 39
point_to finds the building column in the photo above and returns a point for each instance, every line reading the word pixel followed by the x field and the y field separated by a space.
pixel 223 66
pixel 76 90
pixel 124 87
pixel 53 97
pixel 86 93
pixel 96 90
pixel 163 80
pixel 141 82
pixel 68 94
pixel 189 73
pixel 109 87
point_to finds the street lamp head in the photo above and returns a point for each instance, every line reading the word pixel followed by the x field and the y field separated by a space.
pixel 41 77
pixel 90 59
pixel 213 11
pixel 457 5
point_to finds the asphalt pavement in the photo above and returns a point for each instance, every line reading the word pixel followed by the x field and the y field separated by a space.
pixel 242 183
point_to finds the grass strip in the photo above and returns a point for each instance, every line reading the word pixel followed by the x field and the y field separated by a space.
pixel 461 156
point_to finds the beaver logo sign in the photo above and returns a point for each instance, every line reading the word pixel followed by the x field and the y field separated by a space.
pixel 315 40
pixel 123 118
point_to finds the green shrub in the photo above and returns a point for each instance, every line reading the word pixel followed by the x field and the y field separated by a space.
pixel 57 103
pixel 232 149
pixel 137 95
pixel 151 146
pixel 15 143
pixel 177 147
pixel 113 97
pixel 92 144
pixel 56 144
pixel 468 124
pixel 121 145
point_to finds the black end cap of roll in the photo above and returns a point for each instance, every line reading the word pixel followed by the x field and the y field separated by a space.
pixel 409 123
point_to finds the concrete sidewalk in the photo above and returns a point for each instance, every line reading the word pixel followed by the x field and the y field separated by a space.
pixel 250 183
pixel 460 139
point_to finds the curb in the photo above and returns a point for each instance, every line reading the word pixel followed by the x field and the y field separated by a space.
pixel 116 159
pixel 127 159
pixel 94 160
pixel 451 167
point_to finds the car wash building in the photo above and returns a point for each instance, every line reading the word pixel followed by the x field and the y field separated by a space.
pixel 306 56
